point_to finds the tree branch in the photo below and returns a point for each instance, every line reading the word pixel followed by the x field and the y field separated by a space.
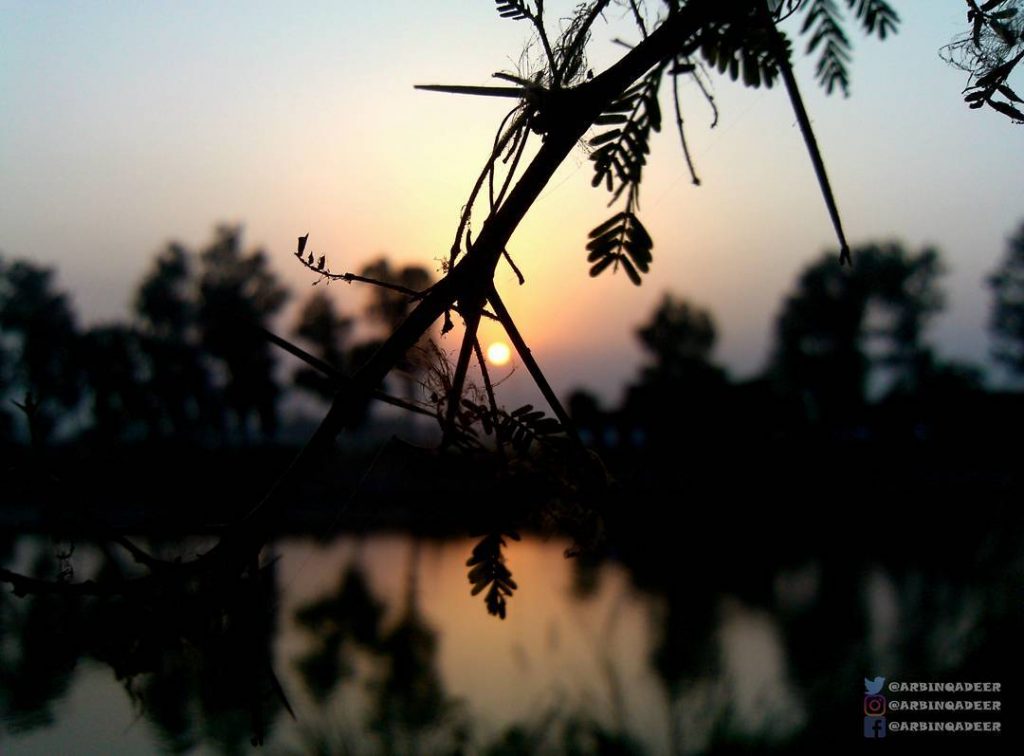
pixel 471 278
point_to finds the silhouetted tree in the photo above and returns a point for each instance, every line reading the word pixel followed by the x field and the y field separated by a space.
pixel 585 411
pixel 841 323
pixel 197 662
pixel 904 287
pixel 237 294
pixel 389 308
pixel 411 700
pixel 350 617
pixel 680 393
pixel 180 385
pixel 7 423
pixel 38 656
pixel 115 370
pixel 1007 317
pixel 327 332
pixel 679 336
pixel 165 300
pixel 39 335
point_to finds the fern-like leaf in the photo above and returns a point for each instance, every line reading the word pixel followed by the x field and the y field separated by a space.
pixel 514 9
pixel 748 53
pixel 621 152
pixel 521 426
pixel 488 571
pixel 620 240
pixel 876 16
pixel 824 25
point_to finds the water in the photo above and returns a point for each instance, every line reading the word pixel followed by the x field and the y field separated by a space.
pixel 379 647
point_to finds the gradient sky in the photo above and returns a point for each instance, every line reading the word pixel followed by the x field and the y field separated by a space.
pixel 128 124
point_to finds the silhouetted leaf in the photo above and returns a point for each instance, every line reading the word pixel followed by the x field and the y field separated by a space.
pixel 823 23
pixel 607 225
pixel 1008 93
pixel 620 154
pixel 514 9
pixel 605 137
pixel 488 570
pixel 630 271
pixel 600 265
pixel 525 424
pixel 876 16
pixel 1007 109
pixel 620 239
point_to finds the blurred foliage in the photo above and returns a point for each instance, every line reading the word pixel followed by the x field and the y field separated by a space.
pixel 39 349
pixel 237 293
pixel 1007 316
pixel 327 331
pixel 840 324
pixel 195 660
pixel 388 308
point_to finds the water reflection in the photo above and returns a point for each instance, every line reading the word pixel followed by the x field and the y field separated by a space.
pixel 378 646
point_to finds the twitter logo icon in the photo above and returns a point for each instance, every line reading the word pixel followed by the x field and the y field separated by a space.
pixel 873 686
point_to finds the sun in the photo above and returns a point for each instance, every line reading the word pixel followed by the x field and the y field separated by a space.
pixel 498 353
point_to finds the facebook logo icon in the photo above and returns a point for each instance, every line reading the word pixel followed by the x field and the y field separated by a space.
pixel 874 727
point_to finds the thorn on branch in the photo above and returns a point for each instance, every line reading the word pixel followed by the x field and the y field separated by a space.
pixel 515 268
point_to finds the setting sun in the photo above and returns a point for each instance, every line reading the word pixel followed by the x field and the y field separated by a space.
pixel 498 353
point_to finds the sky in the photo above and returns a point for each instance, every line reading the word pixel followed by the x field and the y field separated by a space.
pixel 126 125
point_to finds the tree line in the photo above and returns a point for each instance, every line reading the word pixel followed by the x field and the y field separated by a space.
pixel 849 359
pixel 194 362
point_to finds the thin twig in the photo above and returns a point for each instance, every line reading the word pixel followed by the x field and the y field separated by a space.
pixel 515 164
pixel 682 132
pixel 459 379
pixel 467 213
pixel 352 277
pixel 138 554
pixel 580 39
pixel 489 168
pixel 515 268
pixel 531 364
pixel 337 377
pixel 538 23
pixel 782 56
pixel 704 90
pixel 489 389
pixel 638 18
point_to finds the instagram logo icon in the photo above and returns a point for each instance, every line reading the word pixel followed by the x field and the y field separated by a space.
pixel 874 708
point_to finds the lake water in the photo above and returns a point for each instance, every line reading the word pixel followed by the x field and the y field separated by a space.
pixel 379 647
